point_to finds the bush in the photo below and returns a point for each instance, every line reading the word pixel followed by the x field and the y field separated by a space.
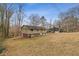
pixel 1 49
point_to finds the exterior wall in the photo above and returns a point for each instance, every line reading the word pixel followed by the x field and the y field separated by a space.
pixel 29 31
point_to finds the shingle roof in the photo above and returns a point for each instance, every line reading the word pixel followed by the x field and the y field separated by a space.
pixel 34 27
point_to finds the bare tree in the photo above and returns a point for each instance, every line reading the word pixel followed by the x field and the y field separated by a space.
pixel 43 21
pixel 69 20
pixel 34 20
pixel 6 13
pixel 20 17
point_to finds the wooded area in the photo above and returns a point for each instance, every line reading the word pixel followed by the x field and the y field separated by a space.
pixel 12 18
pixel 68 21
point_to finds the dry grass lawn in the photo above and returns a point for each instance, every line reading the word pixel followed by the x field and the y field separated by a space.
pixel 52 44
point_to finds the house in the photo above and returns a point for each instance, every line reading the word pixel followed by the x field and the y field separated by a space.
pixel 29 31
pixel 55 29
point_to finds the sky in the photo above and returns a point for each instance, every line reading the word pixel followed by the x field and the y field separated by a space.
pixel 49 10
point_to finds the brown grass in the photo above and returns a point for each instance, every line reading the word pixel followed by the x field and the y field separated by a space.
pixel 49 45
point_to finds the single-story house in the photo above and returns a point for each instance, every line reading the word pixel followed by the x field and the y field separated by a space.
pixel 28 30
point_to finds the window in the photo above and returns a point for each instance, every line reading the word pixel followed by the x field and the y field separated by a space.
pixel 31 29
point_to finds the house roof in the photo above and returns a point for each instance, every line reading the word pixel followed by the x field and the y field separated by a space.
pixel 33 27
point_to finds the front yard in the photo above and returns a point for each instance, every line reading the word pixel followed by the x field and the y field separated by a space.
pixel 49 45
